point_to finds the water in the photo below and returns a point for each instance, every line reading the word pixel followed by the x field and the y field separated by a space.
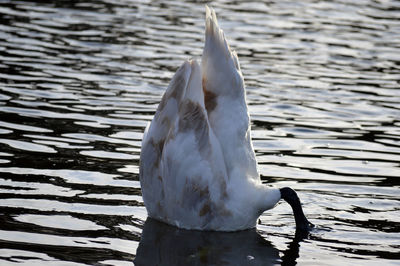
pixel 79 80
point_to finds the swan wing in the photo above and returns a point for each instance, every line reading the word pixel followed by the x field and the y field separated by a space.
pixel 225 102
pixel 156 133
pixel 183 173
pixel 146 130
pixel 193 169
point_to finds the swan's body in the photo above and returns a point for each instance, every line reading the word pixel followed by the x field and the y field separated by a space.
pixel 197 167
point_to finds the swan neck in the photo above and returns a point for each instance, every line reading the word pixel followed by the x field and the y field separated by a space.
pixel 290 196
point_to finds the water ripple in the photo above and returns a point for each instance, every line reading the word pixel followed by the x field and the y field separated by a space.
pixel 80 80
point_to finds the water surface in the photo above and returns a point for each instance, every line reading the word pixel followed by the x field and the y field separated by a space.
pixel 79 80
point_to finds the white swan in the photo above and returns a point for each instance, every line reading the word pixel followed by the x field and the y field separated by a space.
pixel 197 165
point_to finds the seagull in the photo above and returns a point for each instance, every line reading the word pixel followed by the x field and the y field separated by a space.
pixel 198 168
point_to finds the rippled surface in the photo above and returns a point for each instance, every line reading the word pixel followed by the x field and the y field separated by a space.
pixel 79 82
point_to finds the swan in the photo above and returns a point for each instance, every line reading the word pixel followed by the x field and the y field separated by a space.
pixel 198 168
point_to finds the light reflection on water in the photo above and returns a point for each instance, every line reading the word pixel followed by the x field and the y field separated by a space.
pixel 80 80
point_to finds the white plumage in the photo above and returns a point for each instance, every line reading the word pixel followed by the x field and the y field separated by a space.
pixel 197 166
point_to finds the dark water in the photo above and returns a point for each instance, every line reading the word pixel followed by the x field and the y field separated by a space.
pixel 79 80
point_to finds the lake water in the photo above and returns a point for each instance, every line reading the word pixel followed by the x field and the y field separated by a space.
pixel 79 80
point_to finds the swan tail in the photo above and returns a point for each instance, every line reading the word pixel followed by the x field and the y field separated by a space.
pixel 225 101
pixel 221 68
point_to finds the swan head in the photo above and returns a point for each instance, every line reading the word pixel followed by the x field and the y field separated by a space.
pixel 290 196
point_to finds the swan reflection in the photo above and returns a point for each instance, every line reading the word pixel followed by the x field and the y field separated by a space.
pixel 162 244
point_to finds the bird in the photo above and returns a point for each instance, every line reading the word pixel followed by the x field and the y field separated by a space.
pixel 198 169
